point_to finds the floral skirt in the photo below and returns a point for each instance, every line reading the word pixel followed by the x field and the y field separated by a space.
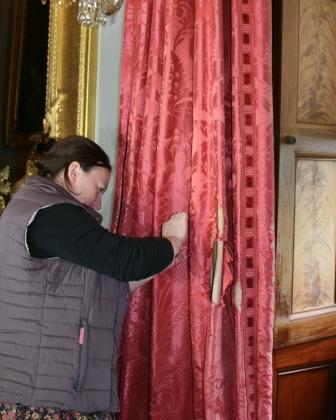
pixel 20 412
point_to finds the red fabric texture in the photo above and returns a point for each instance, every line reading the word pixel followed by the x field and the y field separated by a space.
pixel 196 135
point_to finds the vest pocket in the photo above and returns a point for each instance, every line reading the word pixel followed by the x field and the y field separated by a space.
pixel 83 354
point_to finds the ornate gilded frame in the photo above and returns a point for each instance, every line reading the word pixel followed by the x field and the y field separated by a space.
pixel 71 74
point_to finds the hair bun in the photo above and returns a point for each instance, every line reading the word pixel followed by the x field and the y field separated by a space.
pixel 44 145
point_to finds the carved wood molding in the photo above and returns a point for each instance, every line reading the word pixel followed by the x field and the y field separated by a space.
pixel 71 75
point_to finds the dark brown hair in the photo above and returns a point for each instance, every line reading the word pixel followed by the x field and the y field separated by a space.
pixel 73 148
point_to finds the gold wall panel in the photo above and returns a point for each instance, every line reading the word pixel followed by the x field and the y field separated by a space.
pixel 72 71
pixel 315 235
pixel 317 62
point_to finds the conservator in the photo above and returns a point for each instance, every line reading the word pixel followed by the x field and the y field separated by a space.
pixel 64 283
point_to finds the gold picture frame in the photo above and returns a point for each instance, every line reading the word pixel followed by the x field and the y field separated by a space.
pixel 71 74
pixel 69 96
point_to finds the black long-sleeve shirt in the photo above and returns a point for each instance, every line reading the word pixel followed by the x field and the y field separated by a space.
pixel 67 231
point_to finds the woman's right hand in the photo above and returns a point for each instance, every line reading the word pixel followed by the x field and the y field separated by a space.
pixel 175 229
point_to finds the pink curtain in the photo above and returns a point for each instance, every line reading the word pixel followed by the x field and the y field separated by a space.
pixel 196 135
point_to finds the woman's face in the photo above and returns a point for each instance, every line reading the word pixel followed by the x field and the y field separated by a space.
pixel 88 187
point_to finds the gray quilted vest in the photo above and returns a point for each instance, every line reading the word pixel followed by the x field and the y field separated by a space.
pixel 60 323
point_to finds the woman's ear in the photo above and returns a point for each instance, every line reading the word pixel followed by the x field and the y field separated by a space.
pixel 74 172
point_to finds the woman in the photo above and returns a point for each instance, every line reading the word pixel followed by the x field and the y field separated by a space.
pixel 64 286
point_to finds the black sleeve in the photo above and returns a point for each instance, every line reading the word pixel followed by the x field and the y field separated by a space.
pixel 67 231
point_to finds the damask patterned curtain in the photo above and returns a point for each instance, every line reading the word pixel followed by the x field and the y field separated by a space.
pixel 196 135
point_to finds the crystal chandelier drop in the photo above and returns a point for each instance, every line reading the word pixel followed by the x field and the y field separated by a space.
pixel 93 12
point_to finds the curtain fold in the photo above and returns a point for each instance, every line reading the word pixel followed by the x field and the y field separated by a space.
pixel 196 135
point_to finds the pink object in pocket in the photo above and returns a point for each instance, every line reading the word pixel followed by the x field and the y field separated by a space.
pixel 81 336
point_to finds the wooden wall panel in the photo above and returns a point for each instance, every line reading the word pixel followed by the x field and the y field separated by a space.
pixel 315 235
pixel 306 242
pixel 304 381
pixel 305 322
pixel 317 62
pixel 304 394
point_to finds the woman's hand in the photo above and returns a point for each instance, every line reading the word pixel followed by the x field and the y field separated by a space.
pixel 175 229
